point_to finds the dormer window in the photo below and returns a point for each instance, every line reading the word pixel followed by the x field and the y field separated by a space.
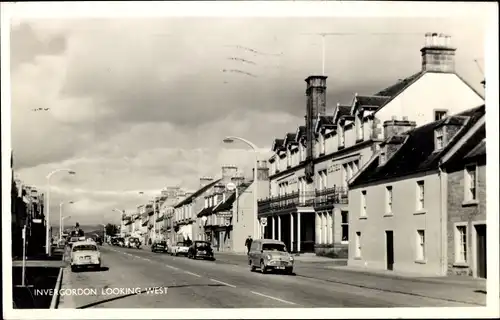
pixel 440 114
pixel 439 138
pixel 321 144
pixel 341 136
pixel 359 127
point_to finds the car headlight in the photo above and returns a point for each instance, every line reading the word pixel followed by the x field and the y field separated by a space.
pixel 291 258
pixel 268 257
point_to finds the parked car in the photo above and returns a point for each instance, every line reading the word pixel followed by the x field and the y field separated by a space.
pixel 134 243
pixel 85 254
pixel 268 254
pixel 201 249
pixel 159 246
pixel 180 248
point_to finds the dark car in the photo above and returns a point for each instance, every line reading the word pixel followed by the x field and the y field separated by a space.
pixel 159 246
pixel 201 249
pixel 118 241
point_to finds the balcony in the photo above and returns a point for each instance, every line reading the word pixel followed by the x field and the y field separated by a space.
pixel 289 202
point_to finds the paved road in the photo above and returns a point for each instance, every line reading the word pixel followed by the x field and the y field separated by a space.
pixel 218 284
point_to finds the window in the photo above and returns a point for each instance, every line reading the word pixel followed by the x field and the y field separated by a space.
pixel 363 203
pixel 439 134
pixel 470 183
pixel 461 244
pixel 420 195
pixel 440 114
pixel 388 195
pixel 358 244
pixel 321 144
pixel 420 245
pixel 345 226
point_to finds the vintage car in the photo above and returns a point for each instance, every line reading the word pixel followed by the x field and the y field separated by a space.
pixel 180 248
pixel 133 243
pixel 85 254
pixel 201 249
pixel 268 254
pixel 159 246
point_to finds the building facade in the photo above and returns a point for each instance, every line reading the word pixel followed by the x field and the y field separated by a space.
pixel 466 205
pixel 398 202
pixel 308 205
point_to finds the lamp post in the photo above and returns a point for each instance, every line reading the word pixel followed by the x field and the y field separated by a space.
pixel 121 212
pixel 61 218
pixel 62 221
pixel 104 233
pixel 230 139
pixel 47 206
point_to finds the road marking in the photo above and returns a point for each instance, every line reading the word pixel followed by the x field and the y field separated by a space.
pixel 174 268
pixel 224 283
pixel 193 274
pixel 277 299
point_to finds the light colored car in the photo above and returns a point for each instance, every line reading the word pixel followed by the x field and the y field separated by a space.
pixel 85 254
pixel 180 248
pixel 268 254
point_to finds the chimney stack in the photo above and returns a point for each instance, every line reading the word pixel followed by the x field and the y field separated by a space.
pixel 228 171
pixel 262 170
pixel 237 180
pixel 437 54
pixel 397 127
pixel 205 181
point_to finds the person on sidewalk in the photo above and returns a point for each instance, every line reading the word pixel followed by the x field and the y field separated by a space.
pixel 248 243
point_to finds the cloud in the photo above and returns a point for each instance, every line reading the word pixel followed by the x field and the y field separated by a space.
pixel 141 104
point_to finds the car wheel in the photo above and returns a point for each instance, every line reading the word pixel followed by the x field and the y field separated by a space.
pixel 73 268
pixel 252 267
pixel 289 271
pixel 262 267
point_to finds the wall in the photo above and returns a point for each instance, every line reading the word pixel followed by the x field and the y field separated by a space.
pixel 243 224
pixel 404 223
pixel 431 91
pixel 460 213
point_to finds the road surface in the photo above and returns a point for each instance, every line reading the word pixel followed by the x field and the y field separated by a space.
pixel 185 283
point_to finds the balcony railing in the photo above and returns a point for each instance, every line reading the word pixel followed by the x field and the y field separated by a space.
pixel 295 199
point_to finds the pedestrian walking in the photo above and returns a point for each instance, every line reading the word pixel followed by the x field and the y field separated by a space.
pixel 248 243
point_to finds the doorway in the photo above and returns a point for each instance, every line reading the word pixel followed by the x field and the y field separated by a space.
pixel 389 249
pixel 481 250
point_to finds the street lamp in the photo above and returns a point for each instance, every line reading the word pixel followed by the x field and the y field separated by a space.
pixel 231 139
pixel 104 232
pixel 62 221
pixel 121 212
pixel 47 205
pixel 60 218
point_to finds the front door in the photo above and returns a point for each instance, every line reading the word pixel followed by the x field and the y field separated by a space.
pixel 389 244
pixel 481 250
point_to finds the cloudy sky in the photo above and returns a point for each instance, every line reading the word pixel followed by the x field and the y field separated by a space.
pixel 141 104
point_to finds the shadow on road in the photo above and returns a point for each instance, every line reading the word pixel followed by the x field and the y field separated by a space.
pixel 91 270
pixel 90 305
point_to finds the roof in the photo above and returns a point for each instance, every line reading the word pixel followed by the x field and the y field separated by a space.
pixel 228 204
pixel 81 243
pixel 479 150
pixel 417 153
pixel 301 132
pixel 398 87
pixel 196 194
pixel 277 144
pixel 376 101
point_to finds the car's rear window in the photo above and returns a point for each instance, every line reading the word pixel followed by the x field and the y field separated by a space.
pixel 87 247
pixel 202 244
pixel 162 242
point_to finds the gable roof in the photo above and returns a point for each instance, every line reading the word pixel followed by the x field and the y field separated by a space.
pixel 301 132
pixel 417 153
pixel 341 111
pixel 289 138
pixel 324 122
pixel 277 144
pixel 197 193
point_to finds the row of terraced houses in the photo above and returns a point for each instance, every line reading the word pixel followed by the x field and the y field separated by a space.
pixel 390 180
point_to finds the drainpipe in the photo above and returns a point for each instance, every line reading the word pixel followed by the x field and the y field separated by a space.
pixel 443 219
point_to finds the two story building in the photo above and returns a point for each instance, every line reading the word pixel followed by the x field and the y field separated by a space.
pixel 307 207
pixel 404 206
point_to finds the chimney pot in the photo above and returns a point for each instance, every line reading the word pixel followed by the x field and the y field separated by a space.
pixel 393 118
pixel 405 118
